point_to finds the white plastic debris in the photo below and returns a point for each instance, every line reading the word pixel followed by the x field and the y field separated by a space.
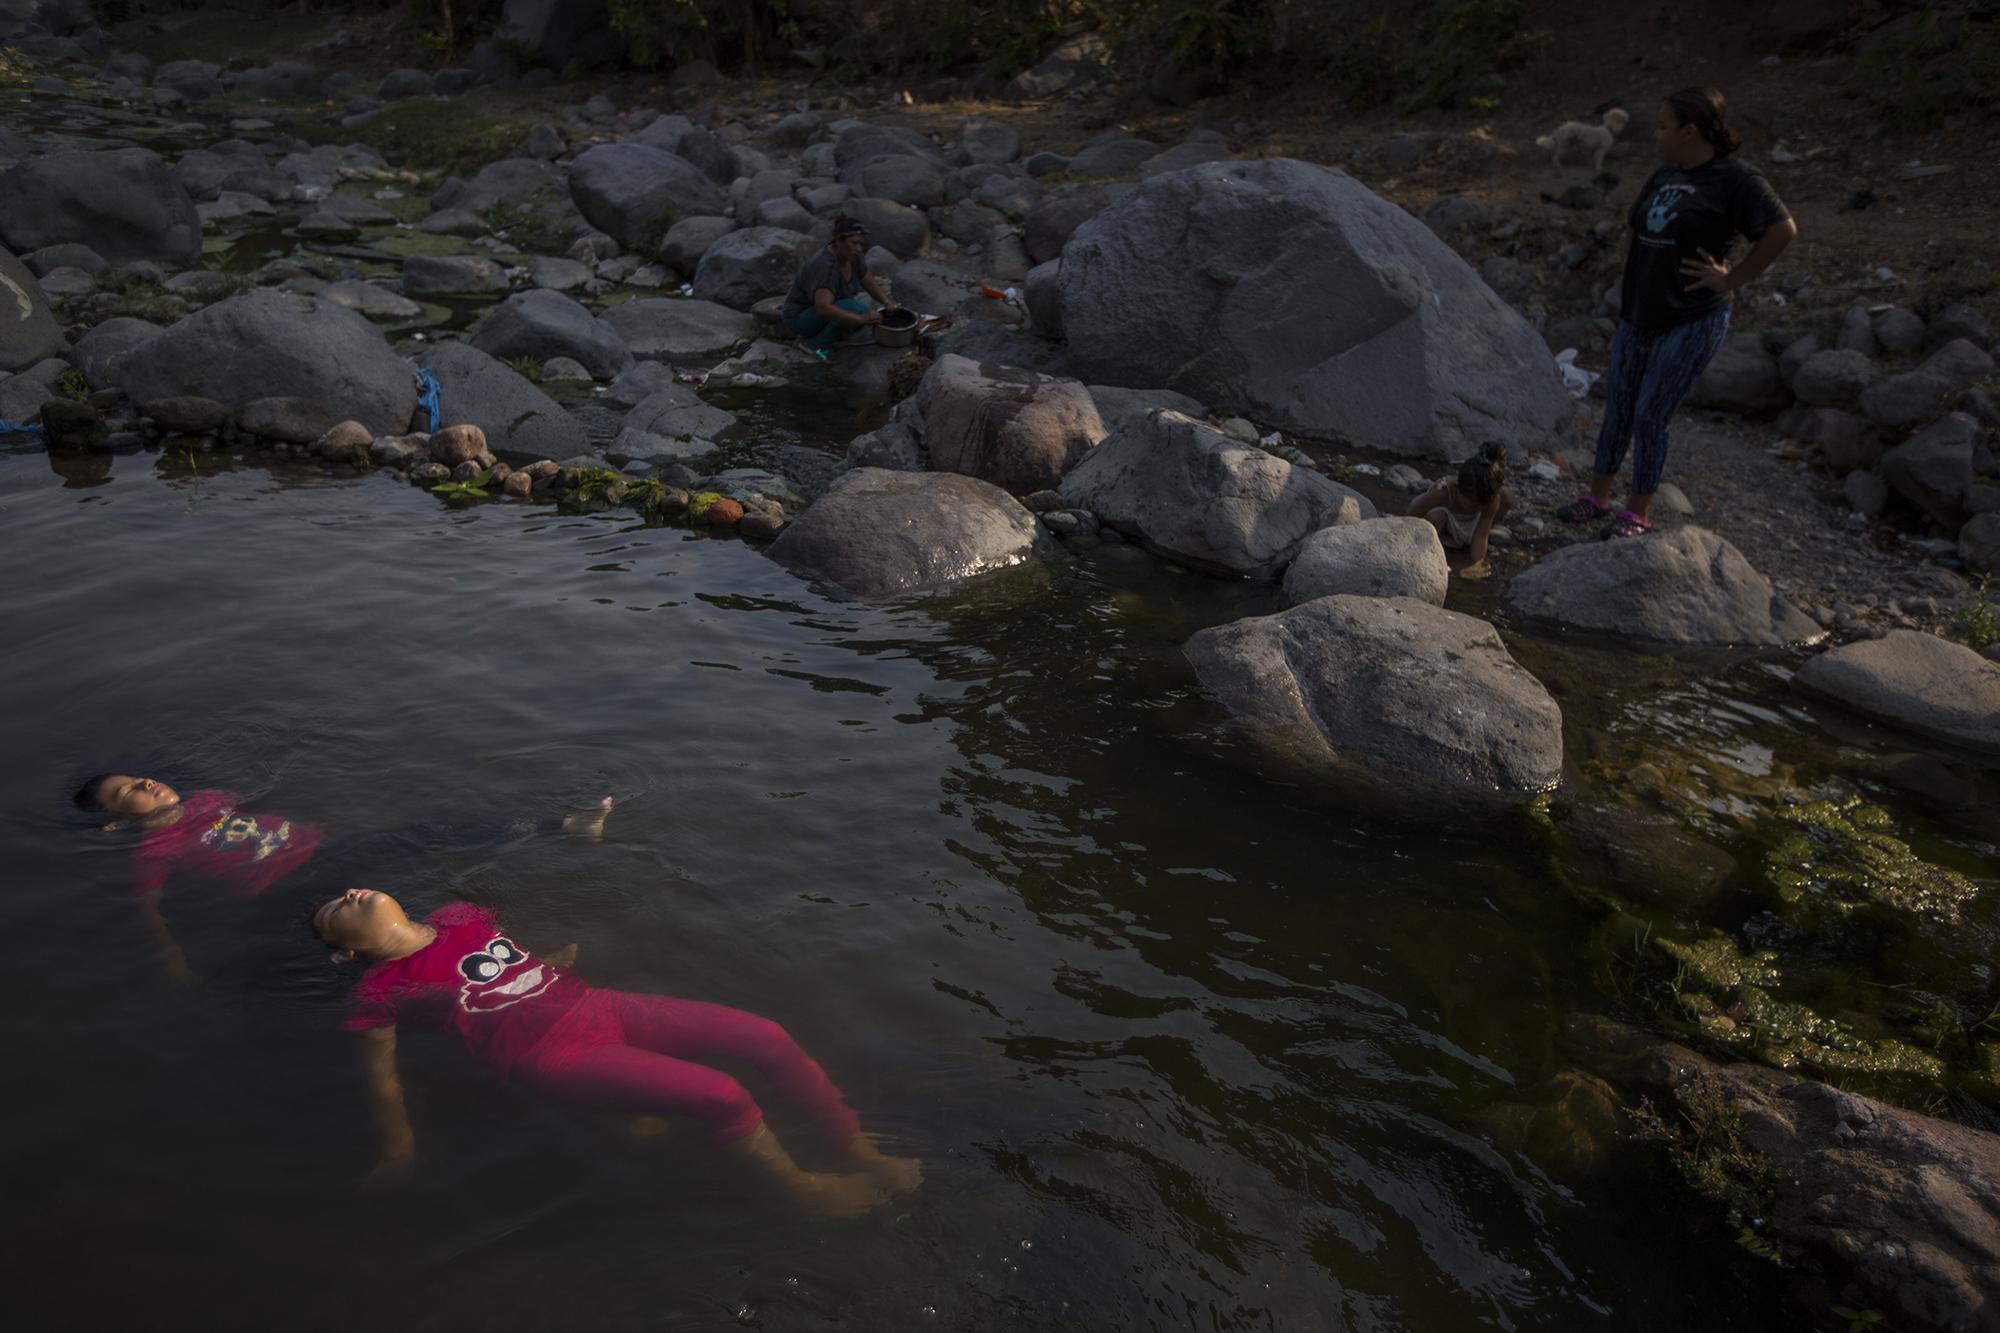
pixel 1545 470
pixel 1576 380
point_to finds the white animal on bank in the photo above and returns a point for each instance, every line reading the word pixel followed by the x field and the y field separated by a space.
pixel 1574 139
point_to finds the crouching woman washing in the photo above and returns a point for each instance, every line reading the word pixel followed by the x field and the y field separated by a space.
pixel 543 1026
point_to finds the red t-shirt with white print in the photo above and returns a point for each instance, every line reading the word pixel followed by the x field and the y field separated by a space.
pixel 214 840
pixel 473 981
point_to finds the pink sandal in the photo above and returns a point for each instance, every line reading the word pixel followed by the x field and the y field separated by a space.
pixel 1583 509
pixel 1624 524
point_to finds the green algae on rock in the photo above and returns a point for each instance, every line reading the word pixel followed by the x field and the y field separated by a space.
pixel 1843 856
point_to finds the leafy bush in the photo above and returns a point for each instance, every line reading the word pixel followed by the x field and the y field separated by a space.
pixel 1944 61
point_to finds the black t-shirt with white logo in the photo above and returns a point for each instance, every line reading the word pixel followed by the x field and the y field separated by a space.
pixel 1678 213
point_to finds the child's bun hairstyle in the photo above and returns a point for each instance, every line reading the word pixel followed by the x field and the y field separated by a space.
pixel 1481 476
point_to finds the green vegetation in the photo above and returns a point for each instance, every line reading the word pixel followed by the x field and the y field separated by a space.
pixel 1839 856
pixel 472 488
pixel 72 385
pixel 436 134
pixel 526 367
pixel 1975 622
pixel 1944 62
pixel 1703 1136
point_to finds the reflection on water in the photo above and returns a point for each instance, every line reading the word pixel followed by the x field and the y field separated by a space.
pixel 1179 1048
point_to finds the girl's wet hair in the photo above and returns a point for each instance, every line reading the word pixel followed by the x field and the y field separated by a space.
pixel 86 795
pixel 1481 476
pixel 1708 111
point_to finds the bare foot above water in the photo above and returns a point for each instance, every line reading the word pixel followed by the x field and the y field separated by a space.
pixel 589 824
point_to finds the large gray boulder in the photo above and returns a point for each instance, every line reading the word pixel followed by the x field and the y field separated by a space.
pixel 124 203
pixel 1118 407
pixel 518 419
pixel 452 275
pixel 634 193
pixel 688 240
pixel 1057 216
pixel 750 265
pixel 1385 694
pixel 540 324
pixel 901 230
pixel 511 180
pixel 28 329
pixel 1743 378
pixel 100 354
pixel 1917 396
pixel 1979 543
pixel 1917 683
pixel 1379 557
pixel 1932 468
pixel 1017 429
pixel 1685 586
pixel 860 144
pixel 1193 494
pixel 1832 378
pixel 876 532
pixel 680 330
pixel 916 181
pixel 271 344
pixel 1291 294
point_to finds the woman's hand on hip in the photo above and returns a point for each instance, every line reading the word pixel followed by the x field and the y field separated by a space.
pixel 1707 274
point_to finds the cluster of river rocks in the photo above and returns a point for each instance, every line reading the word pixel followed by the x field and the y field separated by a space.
pixel 1166 297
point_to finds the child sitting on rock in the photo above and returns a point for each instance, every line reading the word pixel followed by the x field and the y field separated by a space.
pixel 1464 509
pixel 206 836
pixel 541 1025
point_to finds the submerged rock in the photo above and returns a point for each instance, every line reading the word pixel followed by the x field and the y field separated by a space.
pixel 876 532
pixel 1417 355
pixel 1684 587
pixel 1195 495
pixel 1898 1208
pixel 1385 694
pixel 1917 683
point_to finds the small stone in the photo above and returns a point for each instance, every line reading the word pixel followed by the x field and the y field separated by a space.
pixel 429 474
pixel 761 527
pixel 457 444
pixel 518 485
pixel 563 368
pixel 1043 502
pixel 546 467
pixel 1236 428
pixel 1670 499
pixel 466 471
pixel 724 513
pixel 72 425
pixel 344 441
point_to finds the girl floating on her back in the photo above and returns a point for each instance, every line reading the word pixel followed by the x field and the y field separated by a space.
pixel 542 1025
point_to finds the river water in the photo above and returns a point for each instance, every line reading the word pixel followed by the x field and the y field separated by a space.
pixel 1178 1048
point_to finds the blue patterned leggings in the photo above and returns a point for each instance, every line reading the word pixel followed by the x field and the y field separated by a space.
pixel 1651 371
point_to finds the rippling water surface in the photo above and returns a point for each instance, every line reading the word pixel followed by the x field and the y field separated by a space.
pixel 1178 1049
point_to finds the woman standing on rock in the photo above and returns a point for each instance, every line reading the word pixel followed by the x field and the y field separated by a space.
pixel 1675 299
